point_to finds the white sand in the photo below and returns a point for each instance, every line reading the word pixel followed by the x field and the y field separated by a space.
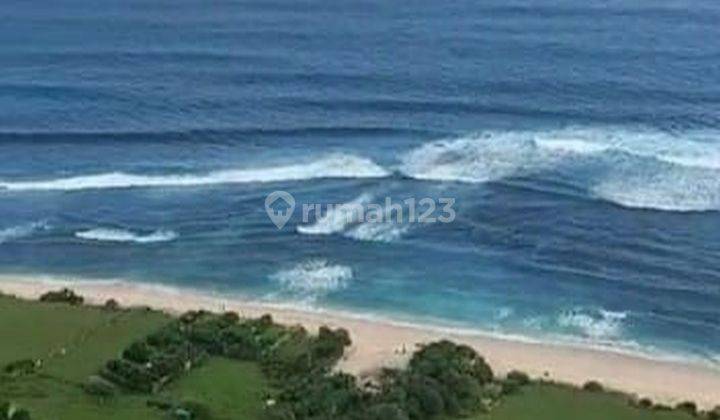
pixel 384 343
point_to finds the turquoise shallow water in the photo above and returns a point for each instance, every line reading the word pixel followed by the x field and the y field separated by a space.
pixel 581 143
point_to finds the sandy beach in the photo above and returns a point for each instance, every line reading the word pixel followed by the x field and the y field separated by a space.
pixel 387 344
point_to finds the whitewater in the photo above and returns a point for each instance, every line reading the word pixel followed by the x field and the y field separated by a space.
pixel 581 146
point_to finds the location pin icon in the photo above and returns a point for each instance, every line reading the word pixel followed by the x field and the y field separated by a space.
pixel 279 206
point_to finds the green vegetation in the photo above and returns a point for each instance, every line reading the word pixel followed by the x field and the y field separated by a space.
pixel 555 402
pixel 232 390
pixel 60 359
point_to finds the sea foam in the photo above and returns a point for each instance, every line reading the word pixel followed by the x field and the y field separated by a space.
pixel 314 278
pixel 331 166
pixel 377 232
pixel 122 235
pixel 21 231
pixel 594 324
pixel 347 219
pixel 337 218
pixel 640 169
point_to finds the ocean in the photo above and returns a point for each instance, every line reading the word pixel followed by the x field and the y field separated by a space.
pixel 580 142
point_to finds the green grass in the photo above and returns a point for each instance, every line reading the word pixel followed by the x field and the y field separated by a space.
pixel 551 402
pixel 74 342
pixel 233 390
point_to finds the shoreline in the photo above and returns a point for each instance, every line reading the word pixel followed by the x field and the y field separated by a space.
pixel 382 343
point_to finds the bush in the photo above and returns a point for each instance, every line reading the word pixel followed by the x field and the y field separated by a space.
pixel 645 403
pixel 64 295
pixel 20 414
pixel 22 367
pixel 111 305
pixel 688 407
pixel 230 318
pixel 593 386
pixel 138 352
pixel 510 386
pixel 521 378
pixel 6 409
pixel 714 414
pixel 9 411
pixel 492 391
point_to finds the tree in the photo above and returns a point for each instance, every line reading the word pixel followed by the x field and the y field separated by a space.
pixel 521 378
pixel 688 407
pixel 593 386
pixel 64 295
pixel 111 305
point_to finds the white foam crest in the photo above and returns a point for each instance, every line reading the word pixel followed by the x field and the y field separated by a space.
pixel 21 231
pixel 122 235
pixel 673 190
pixel 692 149
pixel 377 232
pixel 332 166
pixel 314 277
pixel 337 218
pixel 639 169
pixel 594 324
pixel 471 159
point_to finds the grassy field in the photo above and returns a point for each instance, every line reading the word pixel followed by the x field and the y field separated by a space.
pixel 549 402
pixel 233 390
pixel 74 342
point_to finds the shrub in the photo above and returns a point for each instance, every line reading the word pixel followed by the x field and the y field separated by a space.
pixel 714 414
pixel 9 411
pixel 645 403
pixel 230 318
pixel 64 295
pixel 6 409
pixel 22 367
pixel 492 391
pixel 138 352
pixel 521 378
pixel 688 407
pixel 266 320
pixel 111 305
pixel 510 386
pixel 593 386
pixel 20 414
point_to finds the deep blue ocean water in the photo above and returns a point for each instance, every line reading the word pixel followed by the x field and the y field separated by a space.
pixel 580 140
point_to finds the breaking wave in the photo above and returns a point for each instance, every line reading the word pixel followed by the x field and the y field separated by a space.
pixel 639 169
pixel 352 220
pixel 122 235
pixel 314 277
pixel 331 166
pixel 337 218
pixel 377 232
pixel 593 324
pixel 21 231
